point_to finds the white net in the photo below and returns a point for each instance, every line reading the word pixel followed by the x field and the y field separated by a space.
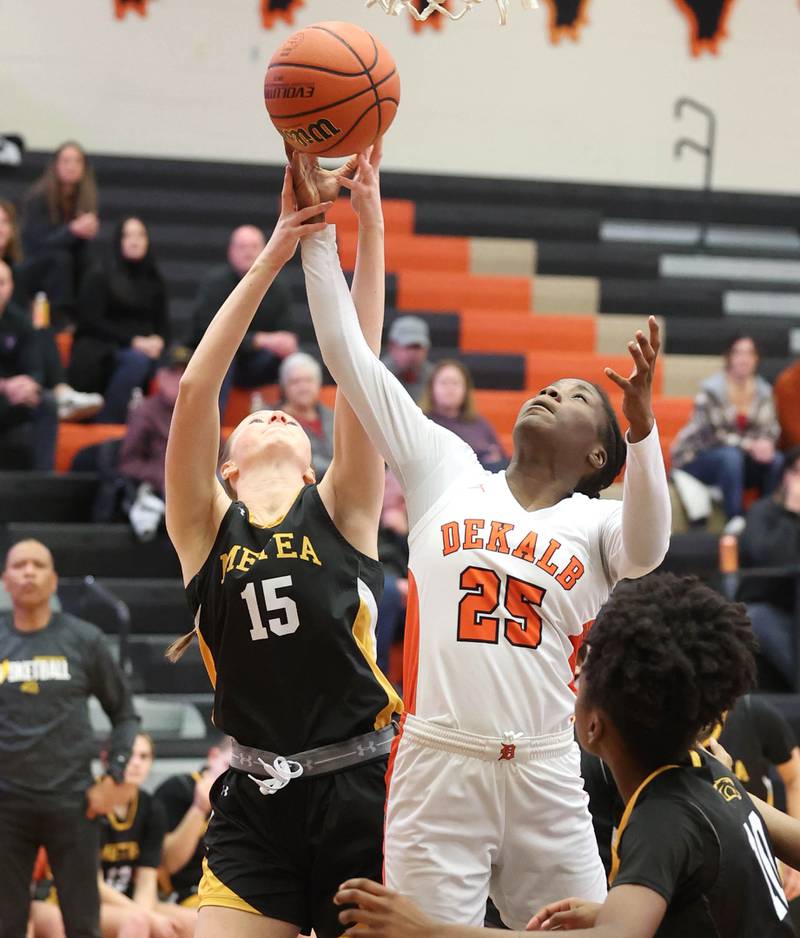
pixel 462 7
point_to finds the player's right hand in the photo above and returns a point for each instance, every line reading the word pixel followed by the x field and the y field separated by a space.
pixel 565 914
pixel 365 187
pixel 293 223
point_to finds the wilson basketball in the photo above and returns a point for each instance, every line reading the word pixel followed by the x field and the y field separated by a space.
pixel 332 89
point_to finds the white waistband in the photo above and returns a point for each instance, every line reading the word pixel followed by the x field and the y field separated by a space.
pixel 510 746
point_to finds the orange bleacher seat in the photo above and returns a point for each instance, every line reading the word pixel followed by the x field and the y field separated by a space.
pixel 500 408
pixel 672 413
pixel 64 344
pixel 398 215
pixel 516 332
pixel 412 252
pixel 446 290
pixel 74 436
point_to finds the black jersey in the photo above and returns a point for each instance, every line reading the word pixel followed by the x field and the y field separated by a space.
pixel 286 615
pixel 131 842
pixel 756 736
pixel 692 834
pixel 176 796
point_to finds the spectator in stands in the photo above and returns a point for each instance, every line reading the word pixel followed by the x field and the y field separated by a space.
pixel 11 250
pixel 393 554
pixel 271 336
pixel 300 378
pixel 771 538
pixel 145 444
pixel 185 801
pixel 730 438
pixel 448 400
pixel 407 354
pixel 52 664
pixel 123 324
pixel 787 405
pixel 59 223
pixel 28 414
pixel 131 843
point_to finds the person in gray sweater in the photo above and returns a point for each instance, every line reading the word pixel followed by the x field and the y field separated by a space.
pixel 50 664
pixel 730 439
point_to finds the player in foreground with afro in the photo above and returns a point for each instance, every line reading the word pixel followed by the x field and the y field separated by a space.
pixel 667 656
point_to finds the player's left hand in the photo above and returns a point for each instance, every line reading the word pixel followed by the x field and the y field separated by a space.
pixel 312 183
pixel 637 401
pixel 719 753
pixel 381 912
pixel 365 188
pixel 565 914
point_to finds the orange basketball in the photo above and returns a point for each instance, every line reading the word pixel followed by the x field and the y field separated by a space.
pixel 332 89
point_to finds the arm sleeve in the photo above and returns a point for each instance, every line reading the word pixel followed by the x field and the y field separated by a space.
pixel 635 538
pixel 107 683
pixel 153 831
pixel 774 732
pixel 424 457
pixel 661 848
pixel 93 302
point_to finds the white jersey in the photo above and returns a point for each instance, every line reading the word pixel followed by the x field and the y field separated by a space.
pixel 500 597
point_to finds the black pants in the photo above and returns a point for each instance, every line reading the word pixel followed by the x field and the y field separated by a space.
pixel 28 436
pixel 59 824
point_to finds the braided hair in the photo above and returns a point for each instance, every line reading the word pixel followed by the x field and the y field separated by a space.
pixel 614 444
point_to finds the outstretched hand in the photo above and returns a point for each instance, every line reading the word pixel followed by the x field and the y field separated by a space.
pixel 365 187
pixel 312 183
pixel 380 912
pixel 565 914
pixel 637 389
pixel 294 222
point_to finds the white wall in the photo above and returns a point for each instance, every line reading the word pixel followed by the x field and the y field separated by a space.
pixel 477 98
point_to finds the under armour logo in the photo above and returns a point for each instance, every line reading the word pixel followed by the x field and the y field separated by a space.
pixel 245 759
pixel 508 751
pixel 363 749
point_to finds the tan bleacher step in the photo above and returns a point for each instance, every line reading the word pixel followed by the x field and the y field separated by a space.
pixel 683 374
pixel 615 331
pixel 566 294
pixel 507 256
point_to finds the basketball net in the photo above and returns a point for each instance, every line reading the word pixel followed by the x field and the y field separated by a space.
pixel 395 7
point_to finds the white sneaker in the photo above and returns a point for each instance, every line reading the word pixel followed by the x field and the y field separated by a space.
pixel 735 526
pixel 78 405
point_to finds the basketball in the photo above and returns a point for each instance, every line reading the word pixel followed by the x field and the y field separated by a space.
pixel 332 89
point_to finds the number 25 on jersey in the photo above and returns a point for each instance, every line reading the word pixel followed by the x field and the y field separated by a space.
pixel 476 620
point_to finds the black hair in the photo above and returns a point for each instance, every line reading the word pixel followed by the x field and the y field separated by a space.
pixel 614 444
pixel 738 338
pixel 790 457
pixel 667 657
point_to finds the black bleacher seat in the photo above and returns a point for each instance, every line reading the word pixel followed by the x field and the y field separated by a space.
pixel 691 335
pixel 45 496
pixel 157 606
pixel 103 550
pixel 521 220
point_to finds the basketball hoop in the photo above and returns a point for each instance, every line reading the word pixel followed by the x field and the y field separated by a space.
pixel 395 8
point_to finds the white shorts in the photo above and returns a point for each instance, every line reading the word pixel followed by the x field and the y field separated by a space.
pixel 469 816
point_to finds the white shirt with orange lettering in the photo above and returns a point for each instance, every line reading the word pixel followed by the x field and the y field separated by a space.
pixel 499 597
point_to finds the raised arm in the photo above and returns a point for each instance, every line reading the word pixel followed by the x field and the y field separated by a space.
pixel 424 457
pixel 636 539
pixel 196 502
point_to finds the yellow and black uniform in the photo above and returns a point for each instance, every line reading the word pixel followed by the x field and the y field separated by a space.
pixel 176 796
pixel 285 615
pixel 132 841
pixel 692 834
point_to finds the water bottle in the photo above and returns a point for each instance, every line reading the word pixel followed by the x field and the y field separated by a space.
pixel 41 311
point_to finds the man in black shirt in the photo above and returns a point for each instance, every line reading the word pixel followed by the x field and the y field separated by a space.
pixel 270 338
pixel 50 664
pixel 691 857
pixel 28 415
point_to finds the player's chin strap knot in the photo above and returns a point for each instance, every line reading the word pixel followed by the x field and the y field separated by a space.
pixel 281 772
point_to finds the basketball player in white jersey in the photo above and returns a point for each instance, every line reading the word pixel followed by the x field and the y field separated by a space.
pixel 506 573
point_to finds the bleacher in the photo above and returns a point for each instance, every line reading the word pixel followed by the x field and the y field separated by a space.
pixel 526 281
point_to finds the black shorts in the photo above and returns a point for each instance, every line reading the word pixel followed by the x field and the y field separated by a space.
pixel 284 855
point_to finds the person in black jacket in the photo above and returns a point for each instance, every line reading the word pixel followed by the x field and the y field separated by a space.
pixel 123 324
pixel 270 338
pixel 50 664
pixel 771 538
pixel 28 414
pixel 59 223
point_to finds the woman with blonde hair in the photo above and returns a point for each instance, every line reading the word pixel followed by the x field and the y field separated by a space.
pixel 59 223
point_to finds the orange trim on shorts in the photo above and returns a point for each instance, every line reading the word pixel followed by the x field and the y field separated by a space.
pixel 411 647
pixel 213 892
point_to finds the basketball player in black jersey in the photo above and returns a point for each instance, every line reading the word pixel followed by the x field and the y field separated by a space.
pixel 691 858
pixel 283 579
